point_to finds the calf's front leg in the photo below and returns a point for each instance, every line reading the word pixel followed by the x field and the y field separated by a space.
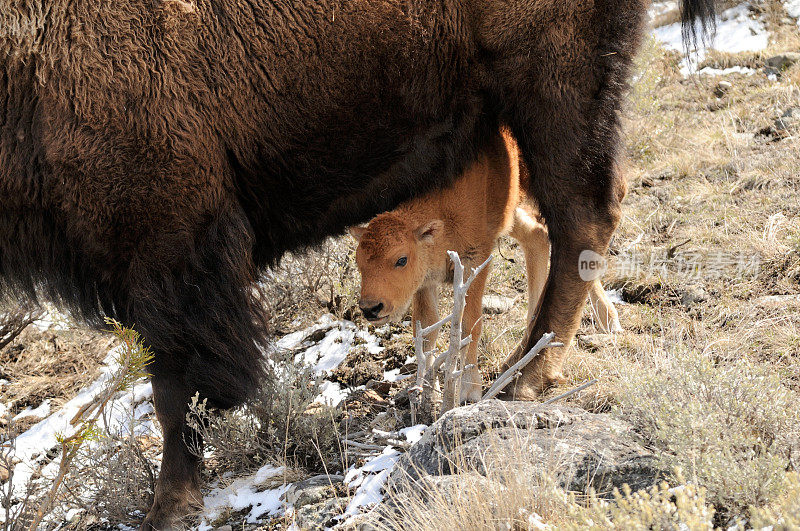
pixel 472 323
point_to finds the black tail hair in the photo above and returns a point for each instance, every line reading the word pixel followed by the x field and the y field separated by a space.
pixel 692 13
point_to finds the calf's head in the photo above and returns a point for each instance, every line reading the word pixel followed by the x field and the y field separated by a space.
pixel 394 256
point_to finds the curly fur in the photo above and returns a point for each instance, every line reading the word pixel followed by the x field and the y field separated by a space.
pixel 156 155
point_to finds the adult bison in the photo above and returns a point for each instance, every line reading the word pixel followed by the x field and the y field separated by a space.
pixel 155 155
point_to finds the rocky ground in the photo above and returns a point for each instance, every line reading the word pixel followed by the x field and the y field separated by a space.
pixel 701 390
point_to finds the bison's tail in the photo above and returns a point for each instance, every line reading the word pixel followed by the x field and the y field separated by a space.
pixel 697 19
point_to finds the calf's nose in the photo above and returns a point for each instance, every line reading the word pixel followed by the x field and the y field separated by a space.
pixel 370 309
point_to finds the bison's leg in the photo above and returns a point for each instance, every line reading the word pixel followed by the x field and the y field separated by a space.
pixel 178 486
pixel 574 181
pixel 471 381
pixel 195 303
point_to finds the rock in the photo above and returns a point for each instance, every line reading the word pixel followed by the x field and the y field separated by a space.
pixel 225 528
pixel 594 342
pixel 692 295
pixel 497 304
pixel 722 88
pixel 320 515
pixel 5 473
pixel 312 490
pixel 316 501
pixel 788 120
pixel 580 449
pixel 379 386
pixel 783 61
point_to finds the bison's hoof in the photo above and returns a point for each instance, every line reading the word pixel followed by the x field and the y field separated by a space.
pixel 171 511
pixel 530 390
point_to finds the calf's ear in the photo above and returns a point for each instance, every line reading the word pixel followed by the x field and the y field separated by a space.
pixel 357 232
pixel 428 231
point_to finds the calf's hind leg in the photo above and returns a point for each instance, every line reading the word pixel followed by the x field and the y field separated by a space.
pixel 603 309
pixel 532 237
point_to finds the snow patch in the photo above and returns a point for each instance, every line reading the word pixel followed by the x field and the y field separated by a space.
pixel 615 296
pixel 708 71
pixel 40 412
pixel 332 393
pixel 243 493
pixel 369 480
pixel 793 9
pixel 414 433
pixel 328 353
pixel 737 31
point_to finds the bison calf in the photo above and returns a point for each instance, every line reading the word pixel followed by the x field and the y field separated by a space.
pixel 402 254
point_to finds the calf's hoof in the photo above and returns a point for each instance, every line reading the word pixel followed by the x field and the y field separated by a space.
pixel 615 327
pixel 170 511
pixel 471 386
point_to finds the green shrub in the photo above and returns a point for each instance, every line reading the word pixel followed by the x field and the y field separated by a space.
pixel 659 507
pixel 281 424
pixel 731 426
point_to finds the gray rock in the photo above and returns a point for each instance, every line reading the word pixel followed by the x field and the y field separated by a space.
pixel 312 490
pixel 595 342
pixel 580 449
pixel 497 304
pixel 722 88
pixel 320 515
pixel 788 120
pixel 693 295
pixel 783 61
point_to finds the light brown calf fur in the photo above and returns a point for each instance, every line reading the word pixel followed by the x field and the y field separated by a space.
pixel 402 254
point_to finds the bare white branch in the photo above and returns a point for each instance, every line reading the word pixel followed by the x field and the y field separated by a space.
pixel 429 363
pixel 436 326
pixel 570 392
pixel 515 370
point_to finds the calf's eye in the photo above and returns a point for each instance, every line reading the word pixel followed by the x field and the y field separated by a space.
pixel 402 261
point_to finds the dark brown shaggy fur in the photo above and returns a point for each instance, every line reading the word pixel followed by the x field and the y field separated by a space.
pixel 156 155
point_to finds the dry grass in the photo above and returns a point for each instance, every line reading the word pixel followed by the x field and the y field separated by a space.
pixel 732 426
pixel 497 491
pixel 283 425
pixel 49 365
pixel 304 284
pixel 500 493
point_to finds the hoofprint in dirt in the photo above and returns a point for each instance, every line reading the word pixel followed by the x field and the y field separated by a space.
pixel 337 350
